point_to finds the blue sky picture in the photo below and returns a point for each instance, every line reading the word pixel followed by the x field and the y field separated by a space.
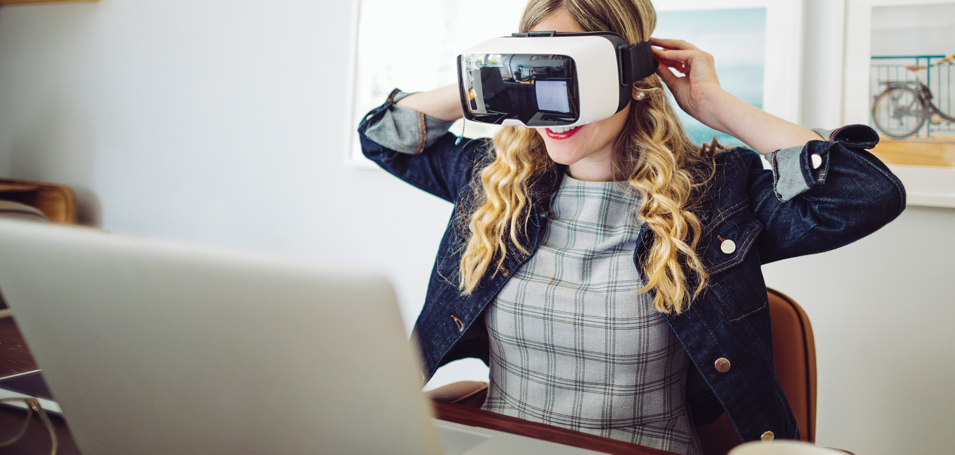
pixel 736 39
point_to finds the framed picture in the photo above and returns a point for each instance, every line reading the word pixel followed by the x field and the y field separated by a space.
pixel 757 47
pixel 412 44
pixel 899 76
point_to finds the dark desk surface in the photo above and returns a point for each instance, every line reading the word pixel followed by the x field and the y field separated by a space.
pixel 15 358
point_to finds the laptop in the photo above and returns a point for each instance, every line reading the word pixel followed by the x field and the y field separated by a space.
pixel 156 347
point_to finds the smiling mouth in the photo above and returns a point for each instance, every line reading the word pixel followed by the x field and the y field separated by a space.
pixel 561 133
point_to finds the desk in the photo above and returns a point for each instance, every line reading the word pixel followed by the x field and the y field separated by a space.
pixel 16 358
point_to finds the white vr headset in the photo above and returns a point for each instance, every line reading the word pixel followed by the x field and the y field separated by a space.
pixel 542 79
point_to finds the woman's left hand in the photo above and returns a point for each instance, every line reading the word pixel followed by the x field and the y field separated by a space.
pixel 698 89
pixel 699 93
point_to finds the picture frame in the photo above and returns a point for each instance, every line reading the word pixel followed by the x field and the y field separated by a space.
pixel 757 50
pixel 925 185
pixel 782 87
pixel 781 94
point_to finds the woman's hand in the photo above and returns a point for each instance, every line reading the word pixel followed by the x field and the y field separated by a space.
pixel 698 92
pixel 698 89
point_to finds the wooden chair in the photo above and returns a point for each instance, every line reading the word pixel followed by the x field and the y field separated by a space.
pixel 794 350
pixel 56 202
pixel 35 201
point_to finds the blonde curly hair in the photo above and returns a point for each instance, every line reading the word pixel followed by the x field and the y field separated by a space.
pixel 652 155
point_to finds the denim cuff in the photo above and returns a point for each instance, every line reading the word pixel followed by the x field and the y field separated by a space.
pixel 796 169
pixel 852 136
pixel 406 130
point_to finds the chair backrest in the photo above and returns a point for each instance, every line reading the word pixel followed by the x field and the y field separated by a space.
pixel 794 350
pixel 19 211
pixel 56 202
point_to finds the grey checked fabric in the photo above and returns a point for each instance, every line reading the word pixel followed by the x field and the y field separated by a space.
pixel 574 344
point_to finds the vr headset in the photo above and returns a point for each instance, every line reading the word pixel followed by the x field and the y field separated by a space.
pixel 543 79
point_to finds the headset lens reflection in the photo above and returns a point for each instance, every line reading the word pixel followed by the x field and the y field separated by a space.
pixel 536 90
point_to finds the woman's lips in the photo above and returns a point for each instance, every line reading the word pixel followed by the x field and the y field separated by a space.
pixel 561 136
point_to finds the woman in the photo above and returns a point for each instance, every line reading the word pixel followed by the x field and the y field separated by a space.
pixel 610 274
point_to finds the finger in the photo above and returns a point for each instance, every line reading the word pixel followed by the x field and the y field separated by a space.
pixel 658 53
pixel 670 62
pixel 672 44
pixel 677 55
pixel 681 68
pixel 662 57
pixel 679 65
pixel 668 77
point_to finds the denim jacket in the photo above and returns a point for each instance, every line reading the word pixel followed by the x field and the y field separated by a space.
pixel 815 198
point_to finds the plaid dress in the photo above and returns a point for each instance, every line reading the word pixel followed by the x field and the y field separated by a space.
pixel 573 344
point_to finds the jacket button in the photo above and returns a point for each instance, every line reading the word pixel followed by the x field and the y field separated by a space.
pixel 458 322
pixel 722 365
pixel 544 214
pixel 728 246
pixel 816 161
pixel 767 436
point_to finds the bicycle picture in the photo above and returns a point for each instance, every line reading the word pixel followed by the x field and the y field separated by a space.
pixel 904 106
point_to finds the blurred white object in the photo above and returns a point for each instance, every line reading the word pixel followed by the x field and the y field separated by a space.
pixel 782 448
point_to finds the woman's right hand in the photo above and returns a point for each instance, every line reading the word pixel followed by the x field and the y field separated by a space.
pixel 443 103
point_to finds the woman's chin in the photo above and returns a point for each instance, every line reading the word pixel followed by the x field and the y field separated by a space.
pixel 563 157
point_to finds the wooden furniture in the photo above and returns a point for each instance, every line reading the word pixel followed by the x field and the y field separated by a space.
pixel 23 2
pixel 465 415
pixel 57 202
pixel 15 358
pixel 794 350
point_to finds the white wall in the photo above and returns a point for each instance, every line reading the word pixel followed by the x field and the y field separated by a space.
pixel 216 122
pixel 222 122
pixel 911 30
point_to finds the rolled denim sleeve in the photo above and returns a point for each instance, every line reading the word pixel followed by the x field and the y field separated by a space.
pixel 828 193
pixel 797 169
pixel 419 149
pixel 405 130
